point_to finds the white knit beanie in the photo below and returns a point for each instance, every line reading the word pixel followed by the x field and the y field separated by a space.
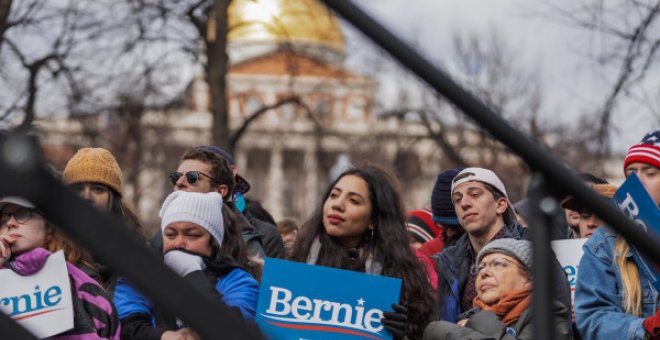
pixel 204 209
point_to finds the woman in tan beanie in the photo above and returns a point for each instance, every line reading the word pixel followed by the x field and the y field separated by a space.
pixel 93 173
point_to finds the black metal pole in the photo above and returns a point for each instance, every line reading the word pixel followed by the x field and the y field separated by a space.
pixel 9 329
pixel 563 180
pixel 542 206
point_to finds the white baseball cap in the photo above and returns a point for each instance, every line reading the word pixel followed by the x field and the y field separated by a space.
pixel 22 202
pixel 488 177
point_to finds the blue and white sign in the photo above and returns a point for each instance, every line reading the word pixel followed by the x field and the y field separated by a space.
pixel 300 301
pixel 40 302
pixel 569 253
pixel 636 203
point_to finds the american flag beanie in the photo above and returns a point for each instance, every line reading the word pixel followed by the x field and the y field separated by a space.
pixel 647 151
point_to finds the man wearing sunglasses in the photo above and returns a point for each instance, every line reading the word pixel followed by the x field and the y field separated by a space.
pixel 485 212
pixel 272 241
pixel 201 170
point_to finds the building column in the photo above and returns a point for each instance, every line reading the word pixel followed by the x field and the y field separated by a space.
pixel 240 158
pixel 276 182
pixel 311 179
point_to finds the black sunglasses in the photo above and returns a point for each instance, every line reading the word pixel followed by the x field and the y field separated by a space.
pixel 21 215
pixel 191 176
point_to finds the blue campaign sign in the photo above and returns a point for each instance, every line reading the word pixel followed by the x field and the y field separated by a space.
pixel 300 301
pixel 636 203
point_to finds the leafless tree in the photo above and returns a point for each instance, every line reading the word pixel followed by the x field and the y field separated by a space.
pixel 625 36
pixel 5 7
pixel 41 40
pixel 492 69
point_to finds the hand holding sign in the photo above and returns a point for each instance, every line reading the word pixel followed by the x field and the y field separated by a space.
pixel 396 322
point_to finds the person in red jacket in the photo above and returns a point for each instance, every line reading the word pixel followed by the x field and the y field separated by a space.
pixel 444 215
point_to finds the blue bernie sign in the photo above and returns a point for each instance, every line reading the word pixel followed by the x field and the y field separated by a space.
pixel 636 203
pixel 300 301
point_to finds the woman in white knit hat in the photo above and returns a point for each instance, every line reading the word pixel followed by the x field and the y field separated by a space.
pixel 193 233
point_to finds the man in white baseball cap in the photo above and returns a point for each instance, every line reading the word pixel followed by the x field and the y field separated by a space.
pixel 490 182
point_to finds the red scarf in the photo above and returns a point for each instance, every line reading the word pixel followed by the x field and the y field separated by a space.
pixel 510 306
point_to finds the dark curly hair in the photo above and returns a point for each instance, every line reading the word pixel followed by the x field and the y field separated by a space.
pixel 388 245
pixel 220 170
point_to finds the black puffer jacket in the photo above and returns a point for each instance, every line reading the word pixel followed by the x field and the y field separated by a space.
pixel 271 240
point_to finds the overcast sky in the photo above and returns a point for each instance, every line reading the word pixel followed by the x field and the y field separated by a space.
pixel 573 83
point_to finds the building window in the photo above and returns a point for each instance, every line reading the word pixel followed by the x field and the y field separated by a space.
pixel 251 103
pixel 355 109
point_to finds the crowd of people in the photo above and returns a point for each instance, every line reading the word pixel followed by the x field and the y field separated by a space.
pixel 465 260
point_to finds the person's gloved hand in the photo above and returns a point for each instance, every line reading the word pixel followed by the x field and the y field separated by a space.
pixel 183 263
pixel 652 325
pixel 396 322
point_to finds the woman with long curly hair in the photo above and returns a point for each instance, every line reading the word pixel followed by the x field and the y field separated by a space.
pixel 360 226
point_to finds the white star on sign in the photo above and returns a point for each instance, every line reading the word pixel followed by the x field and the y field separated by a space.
pixel 360 302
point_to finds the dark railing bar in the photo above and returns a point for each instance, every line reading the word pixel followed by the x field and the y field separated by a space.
pixel 543 286
pixel 10 329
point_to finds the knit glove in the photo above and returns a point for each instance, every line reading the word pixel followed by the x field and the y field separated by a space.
pixel 652 325
pixel 396 322
pixel 183 263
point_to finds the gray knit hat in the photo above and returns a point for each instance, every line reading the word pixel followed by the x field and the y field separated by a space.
pixel 519 249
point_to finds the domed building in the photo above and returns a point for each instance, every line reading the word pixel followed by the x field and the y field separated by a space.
pixel 281 48
pixel 278 50
pixel 260 27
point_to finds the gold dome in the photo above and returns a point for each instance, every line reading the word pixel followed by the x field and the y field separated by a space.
pixel 295 21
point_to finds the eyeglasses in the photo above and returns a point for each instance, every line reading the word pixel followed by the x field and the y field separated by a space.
pixel 191 176
pixel 21 216
pixel 496 264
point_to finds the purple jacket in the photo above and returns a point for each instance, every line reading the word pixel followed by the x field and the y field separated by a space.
pixel 94 315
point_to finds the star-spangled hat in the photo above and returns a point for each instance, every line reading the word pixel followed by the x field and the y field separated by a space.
pixel 647 151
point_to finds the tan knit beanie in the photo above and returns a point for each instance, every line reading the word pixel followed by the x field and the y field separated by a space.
pixel 94 165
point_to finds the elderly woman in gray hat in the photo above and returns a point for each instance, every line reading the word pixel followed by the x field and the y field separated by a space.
pixel 502 308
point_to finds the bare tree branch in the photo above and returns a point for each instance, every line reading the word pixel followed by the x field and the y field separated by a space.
pixel 5 8
pixel 633 53
pixel 236 135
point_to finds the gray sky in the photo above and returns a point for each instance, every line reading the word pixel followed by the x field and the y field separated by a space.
pixel 573 83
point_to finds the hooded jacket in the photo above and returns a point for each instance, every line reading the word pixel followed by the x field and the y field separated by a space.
pixel 272 241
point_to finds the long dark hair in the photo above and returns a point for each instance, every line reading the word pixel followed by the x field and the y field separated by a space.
pixel 233 244
pixel 388 245
pixel 119 209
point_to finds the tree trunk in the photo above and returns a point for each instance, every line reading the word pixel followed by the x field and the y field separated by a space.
pixel 5 7
pixel 217 64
